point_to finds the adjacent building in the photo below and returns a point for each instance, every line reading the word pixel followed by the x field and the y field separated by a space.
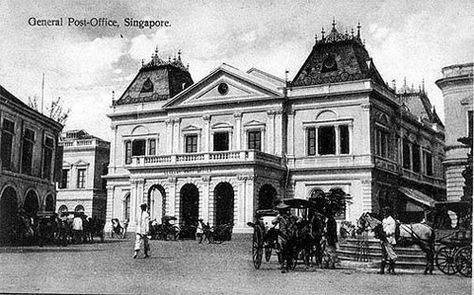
pixel 85 161
pixel 29 157
pixel 457 88
pixel 236 141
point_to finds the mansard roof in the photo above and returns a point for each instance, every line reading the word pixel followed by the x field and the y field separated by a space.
pixel 337 57
pixel 419 104
pixel 157 80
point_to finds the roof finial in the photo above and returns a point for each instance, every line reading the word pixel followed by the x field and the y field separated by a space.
pixel 143 62
pixel 405 83
pixel 156 50
pixel 179 54
pixel 113 95
pixel 322 33
pixel 352 32
pixel 334 22
pixel 423 85
pixel 169 59
pixel 358 30
pixel 187 67
pixel 315 38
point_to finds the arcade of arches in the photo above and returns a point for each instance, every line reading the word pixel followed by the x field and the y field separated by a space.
pixel 11 207
pixel 156 202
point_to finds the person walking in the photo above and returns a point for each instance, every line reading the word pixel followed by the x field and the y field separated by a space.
pixel 388 241
pixel 77 228
pixel 331 238
pixel 200 230
pixel 143 226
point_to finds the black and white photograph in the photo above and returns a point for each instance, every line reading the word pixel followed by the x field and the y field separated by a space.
pixel 236 147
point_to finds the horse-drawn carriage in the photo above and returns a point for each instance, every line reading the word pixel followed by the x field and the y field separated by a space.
pixel 453 223
pixel 299 241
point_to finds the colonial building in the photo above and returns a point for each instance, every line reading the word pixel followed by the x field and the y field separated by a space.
pixel 456 86
pixel 85 161
pixel 234 142
pixel 29 156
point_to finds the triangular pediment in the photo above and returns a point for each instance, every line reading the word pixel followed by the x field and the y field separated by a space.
pixel 191 128
pixel 254 123
pixel 226 85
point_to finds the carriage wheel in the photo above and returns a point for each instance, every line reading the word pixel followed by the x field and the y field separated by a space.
pixel 463 261
pixel 257 247
pixel 268 253
pixel 445 260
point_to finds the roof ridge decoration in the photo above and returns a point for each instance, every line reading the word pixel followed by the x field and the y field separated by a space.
pixel 156 62
pixel 335 36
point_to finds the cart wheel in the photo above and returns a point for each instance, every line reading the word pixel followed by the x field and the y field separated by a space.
pixel 445 260
pixel 268 253
pixel 257 247
pixel 463 261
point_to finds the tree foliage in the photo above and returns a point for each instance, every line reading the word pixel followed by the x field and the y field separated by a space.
pixel 329 204
pixel 55 110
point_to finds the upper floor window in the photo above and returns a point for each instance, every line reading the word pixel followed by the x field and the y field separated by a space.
pixel 328 140
pixel 152 147
pixel 128 152
pixel 406 154
pixel 138 147
pixel 191 143
pixel 81 178
pixel 64 178
pixel 47 157
pixel 382 143
pixel 428 163
pixel 255 140
pixel 469 123
pixel 221 141
pixel 416 158
pixel 8 131
pixel 27 151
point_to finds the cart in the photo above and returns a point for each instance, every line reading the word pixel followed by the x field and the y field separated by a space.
pixel 264 236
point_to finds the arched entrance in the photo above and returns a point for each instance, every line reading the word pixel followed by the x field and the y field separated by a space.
pixel 49 206
pixel 189 209
pixel 79 208
pixel 266 197
pixel 224 203
pixel 8 214
pixel 62 208
pixel 31 205
pixel 157 202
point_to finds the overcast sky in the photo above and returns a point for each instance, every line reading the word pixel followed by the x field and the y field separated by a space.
pixel 83 65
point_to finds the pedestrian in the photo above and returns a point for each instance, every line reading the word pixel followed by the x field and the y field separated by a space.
pixel 125 227
pixel 388 241
pixel 143 226
pixel 77 228
pixel 331 238
pixel 200 230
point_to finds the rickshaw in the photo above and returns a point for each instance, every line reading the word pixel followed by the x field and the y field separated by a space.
pixel 453 224
pixel 218 234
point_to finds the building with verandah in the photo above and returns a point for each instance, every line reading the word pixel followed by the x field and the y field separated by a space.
pixel 236 141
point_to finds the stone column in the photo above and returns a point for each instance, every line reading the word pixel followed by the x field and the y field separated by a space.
pixel 204 204
pixel 238 131
pixel 271 132
pixel 241 201
pixel 338 139
pixel 278 136
pixel 249 199
pixel 172 196
pixel 291 134
pixel 177 137
pixel 169 136
pixel 207 132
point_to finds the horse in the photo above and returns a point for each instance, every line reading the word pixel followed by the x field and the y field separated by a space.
pixel 419 234
pixel 288 242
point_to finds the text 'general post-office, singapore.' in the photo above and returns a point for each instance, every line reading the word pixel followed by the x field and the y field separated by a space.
pixel 98 22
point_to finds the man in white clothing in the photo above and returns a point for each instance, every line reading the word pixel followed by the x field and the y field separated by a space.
pixel 143 226
pixel 388 241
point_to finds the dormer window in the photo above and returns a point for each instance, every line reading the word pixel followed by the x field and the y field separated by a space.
pixel 147 86
pixel 329 64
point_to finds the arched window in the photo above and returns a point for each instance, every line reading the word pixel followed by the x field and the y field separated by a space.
pixel 126 207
